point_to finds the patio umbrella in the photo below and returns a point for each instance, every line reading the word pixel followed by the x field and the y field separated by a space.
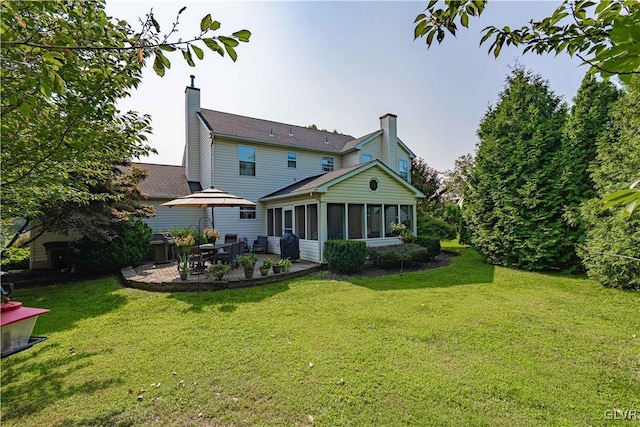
pixel 211 197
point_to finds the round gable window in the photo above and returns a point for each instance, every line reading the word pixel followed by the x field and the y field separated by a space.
pixel 373 185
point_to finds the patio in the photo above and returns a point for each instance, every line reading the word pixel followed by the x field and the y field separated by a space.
pixel 165 278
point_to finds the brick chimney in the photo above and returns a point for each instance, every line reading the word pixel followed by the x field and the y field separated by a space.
pixel 192 132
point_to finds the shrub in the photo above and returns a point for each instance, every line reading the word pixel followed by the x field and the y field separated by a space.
pixel 129 247
pixel 428 226
pixel 431 244
pixel 345 256
pixel 15 258
pixel 395 256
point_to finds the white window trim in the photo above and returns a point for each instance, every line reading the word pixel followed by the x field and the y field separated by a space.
pixel 294 160
pixel 333 163
pixel 248 209
pixel 255 163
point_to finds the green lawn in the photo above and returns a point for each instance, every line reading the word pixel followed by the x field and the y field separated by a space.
pixel 468 344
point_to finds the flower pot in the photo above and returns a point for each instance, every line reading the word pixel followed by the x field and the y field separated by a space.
pixel 264 271
pixel 184 275
pixel 248 273
pixel 277 268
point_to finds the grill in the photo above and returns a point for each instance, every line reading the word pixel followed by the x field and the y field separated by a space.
pixel 162 247
pixel 289 246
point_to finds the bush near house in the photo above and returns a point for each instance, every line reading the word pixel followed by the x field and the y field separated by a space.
pixel 395 256
pixel 431 244
pixel 345 256
pixel 429 226
pixel 129 247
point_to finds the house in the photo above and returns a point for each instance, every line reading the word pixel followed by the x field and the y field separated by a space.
pixel 317 184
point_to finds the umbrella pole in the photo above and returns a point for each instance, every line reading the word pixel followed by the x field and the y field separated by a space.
pixel 212 222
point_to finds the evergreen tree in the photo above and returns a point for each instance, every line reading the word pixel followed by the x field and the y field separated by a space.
pixel 588 119
pixel 612 249
pixel 514 205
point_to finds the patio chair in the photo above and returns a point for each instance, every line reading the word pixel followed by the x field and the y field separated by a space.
pixel 230 238
pixel 229 257
pixel 261 244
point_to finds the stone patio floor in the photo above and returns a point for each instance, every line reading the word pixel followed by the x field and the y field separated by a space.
pixel 165 277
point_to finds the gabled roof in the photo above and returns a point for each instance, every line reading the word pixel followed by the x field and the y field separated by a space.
pixel 358 143
pixel 258 130
pixel 321 183
pixel 166 181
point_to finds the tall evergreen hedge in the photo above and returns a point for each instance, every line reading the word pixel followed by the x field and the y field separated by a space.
pixel 588 119
pixel 612 241
pixel 514 205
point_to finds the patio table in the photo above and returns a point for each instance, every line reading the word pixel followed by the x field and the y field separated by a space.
pixel 211 248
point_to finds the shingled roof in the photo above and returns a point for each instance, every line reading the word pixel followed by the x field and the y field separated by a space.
pixel 166 181
pixel 233 125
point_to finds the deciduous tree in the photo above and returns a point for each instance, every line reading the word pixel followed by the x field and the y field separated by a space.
pixel 64 66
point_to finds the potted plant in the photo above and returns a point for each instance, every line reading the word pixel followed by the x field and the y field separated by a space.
pixel 211 235
pixel 185 243
pixel 285 264
pixel 183 266
pixel 277 268
pixel 266 266
pixel 217 271
pixel 248 262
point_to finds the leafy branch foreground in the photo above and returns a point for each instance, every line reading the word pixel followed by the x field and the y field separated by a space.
pixel 467 344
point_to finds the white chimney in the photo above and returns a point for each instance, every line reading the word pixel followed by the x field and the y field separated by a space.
pixel 192 132
pixel 389 152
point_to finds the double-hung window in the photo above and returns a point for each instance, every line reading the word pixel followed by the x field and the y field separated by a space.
pixel 246 160
pixel 327 164
pixel 292 160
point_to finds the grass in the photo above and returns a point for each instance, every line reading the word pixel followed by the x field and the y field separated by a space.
pixel 468 344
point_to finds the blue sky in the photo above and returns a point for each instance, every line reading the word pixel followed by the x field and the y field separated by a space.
pixel 341 65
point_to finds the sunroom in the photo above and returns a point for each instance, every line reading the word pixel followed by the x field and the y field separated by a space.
pixel 357 203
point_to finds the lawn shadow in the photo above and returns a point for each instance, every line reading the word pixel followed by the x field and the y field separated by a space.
pixel 71 302
pixel 46 379
pixel 228 299
pixel 466 268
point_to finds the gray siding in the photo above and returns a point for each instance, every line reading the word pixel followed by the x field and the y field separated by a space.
pixel 272 173
pixel 176 217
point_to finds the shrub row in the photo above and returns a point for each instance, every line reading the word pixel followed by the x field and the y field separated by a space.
pixel 395 256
